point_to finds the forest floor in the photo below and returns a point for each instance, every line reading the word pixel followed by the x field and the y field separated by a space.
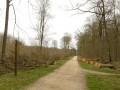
pixel 68 77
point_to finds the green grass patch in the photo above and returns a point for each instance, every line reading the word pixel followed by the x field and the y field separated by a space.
pixel 25 77
pixel 91 67
pixel 103 82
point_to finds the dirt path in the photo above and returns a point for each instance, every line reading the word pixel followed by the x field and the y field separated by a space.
pixel 67 77
pixel 96 72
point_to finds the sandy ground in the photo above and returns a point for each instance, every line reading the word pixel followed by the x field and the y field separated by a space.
pixel 68 77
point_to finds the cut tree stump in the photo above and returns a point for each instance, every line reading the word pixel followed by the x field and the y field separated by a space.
pixel 91 62
pixel 99 65
pixel 83 60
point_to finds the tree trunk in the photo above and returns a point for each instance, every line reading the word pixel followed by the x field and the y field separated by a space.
pixel 116 32
pixel 106 34
pixel 92 54
pixel 5 31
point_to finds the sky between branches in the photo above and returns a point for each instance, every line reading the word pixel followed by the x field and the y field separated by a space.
pixel 63 21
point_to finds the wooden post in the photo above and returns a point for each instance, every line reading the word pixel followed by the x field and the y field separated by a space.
pixel 16 54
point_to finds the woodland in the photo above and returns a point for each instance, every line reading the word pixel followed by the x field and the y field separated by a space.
pixel 101 37
pixel 15 54
pixel 95 47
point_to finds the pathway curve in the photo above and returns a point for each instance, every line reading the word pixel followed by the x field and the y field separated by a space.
pixel 96 72
pixel 68 77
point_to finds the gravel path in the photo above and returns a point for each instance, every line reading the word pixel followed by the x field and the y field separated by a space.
pixel 68 77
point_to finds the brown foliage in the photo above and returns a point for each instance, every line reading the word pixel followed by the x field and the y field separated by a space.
pixel 31 57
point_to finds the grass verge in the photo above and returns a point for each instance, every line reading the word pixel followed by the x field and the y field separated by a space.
pixel 25 77
pixel 101 82
pixel 91 67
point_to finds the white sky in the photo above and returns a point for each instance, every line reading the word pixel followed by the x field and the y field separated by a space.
pixel 63 21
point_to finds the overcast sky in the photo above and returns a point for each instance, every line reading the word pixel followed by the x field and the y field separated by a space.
pixel 62 21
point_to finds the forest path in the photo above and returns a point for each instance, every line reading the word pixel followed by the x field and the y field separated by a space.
pixel 68 77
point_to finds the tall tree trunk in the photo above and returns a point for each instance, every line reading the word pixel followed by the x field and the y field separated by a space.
pixel 105 28
pixel 116 32
pixel 5 31
pixel 93 44
pixel 116 41
pixel 42 33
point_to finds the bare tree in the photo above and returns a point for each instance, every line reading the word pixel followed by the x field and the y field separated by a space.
pixel 104 31
pixel 54 44
pixel 116 29
pixel 102 9
pixel 5 30
pixel 43 18
pixel 66 39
